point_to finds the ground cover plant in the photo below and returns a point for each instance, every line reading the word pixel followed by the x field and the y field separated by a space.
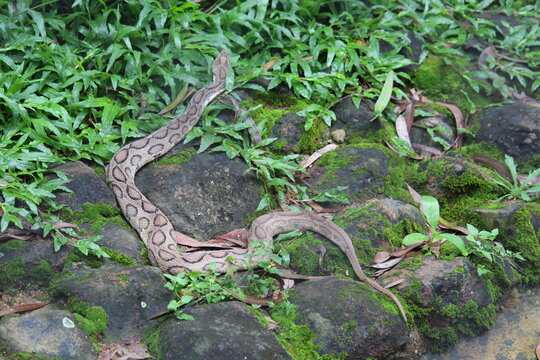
pixel 79 79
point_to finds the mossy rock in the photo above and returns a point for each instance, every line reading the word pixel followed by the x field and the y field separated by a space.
pixel 443 82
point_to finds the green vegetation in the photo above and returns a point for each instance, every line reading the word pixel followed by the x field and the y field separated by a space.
pixel 80 79
pixel 91 319
pixel 516 188
pixel 98 74
pixel 195 287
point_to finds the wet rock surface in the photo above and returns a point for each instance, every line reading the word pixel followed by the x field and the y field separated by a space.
pixel 129 295
pixel 86 186
pixel 47 333
pixel 220 331
pixel 347 317
pixel 514 128
pixel 204 197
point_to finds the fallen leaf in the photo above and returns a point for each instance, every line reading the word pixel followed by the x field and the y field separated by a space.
pixel 381 256
pixel 185 240
pixel 402 130
pixel 267 66
pixel 387 264
pixel 317 154
pixel 22 308
pixel 435 248
pixel 416 196
pixel 408 249
pixel 426 150
pixel 538 351
pixel 394 283
pixel 494 164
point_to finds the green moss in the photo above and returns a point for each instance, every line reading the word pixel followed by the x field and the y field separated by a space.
pixel 525 241
pixel 451 320
pixel 182 157
pixel 470 320
pixel 313 139
pixel 480 148
pixel 411 263
pixel 91 260
pixel 151 340
pixel 119 258
pixel 91 319
pixel 13 244
pixel 22 356
pixel 99 171
pixel 17 274
pixel 298 340
pixel 98 215
pixel 443 82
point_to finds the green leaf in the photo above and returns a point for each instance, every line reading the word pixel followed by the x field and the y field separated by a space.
pixel 414 238
pixel 386 93
pixel 456 241
pixel 430 209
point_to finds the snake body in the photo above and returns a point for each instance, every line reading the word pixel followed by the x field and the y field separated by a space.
pixel 156 230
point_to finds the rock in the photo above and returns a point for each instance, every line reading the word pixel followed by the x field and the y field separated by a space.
pixel 207 196
pixel 288 129
pixel 121 240
pixel 338 135
pixel 514 128
pixel 445 282
pixel 347 317
pixel 129 295
pixel 29 262
pixel 395 211
pixel 371 228
pixel 362 170
pixel 420 135
pixel 355 121
pixel 221 332
pixel 47 333
pixel 86 187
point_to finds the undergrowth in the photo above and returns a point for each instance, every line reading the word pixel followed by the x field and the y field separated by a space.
pixel 79 79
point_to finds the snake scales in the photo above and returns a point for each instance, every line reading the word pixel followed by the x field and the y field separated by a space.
pixel 156 230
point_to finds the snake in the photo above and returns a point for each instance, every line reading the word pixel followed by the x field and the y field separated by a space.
pixel 156 230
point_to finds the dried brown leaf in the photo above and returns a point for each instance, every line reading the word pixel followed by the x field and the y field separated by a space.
pixel 416 196
pixel 494 164
pixel 267 66
pixel 394 283
pixel 236 236
pixel 426 150
pixel 445 224
pixel 63 225
pixel 387 264
pixel 381 256
pixel 435 248
pixel 402 130
pixel 317 154
pixel 408 249
pixel 185 240
pixel 460 120
pixel 22 308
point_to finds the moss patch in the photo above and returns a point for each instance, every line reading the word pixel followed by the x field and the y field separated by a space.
pixel 525 241
pixel 182 157
pixel 443 326
pixel 13 244
pixel 98 215
pixel 17 274
pixel 91 319
pixel 443 82
pixel 298 340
